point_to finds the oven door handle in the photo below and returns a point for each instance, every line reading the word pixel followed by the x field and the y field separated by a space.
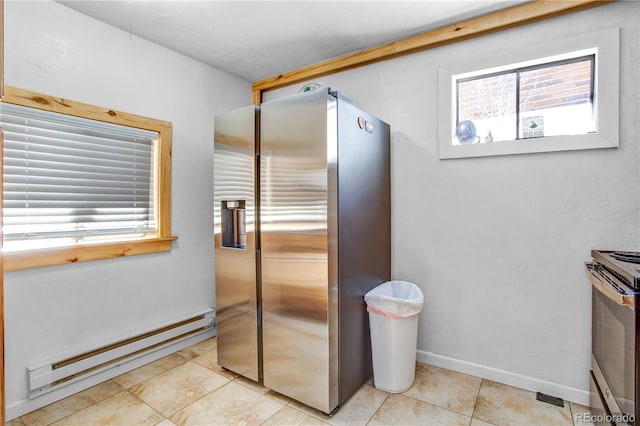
pixel 622 299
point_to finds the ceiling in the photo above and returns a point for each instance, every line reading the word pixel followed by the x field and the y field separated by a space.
pixel 259 39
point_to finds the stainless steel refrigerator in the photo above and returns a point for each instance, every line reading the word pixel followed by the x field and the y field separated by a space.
pixel 302 232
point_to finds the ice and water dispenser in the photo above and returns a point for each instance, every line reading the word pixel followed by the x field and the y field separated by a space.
pixel 234 224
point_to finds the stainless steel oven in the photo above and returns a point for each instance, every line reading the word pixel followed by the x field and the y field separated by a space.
pixel 615 279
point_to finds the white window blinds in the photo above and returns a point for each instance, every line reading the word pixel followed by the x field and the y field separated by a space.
pixel 71 179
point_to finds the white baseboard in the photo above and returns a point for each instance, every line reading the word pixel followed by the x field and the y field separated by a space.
pixel 20 408
pixel 567 393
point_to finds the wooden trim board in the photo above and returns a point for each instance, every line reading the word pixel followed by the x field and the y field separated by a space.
pixel 522 14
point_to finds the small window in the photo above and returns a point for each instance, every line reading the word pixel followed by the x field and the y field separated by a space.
pixel 549 99
pixel 72 181
pixel 555 96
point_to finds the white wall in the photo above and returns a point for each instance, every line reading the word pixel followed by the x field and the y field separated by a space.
pixel 497 244
pixel 62 309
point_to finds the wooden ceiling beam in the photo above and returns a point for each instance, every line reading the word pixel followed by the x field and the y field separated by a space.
pixel 522 14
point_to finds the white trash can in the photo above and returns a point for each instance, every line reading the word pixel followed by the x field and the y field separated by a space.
pixel 394 308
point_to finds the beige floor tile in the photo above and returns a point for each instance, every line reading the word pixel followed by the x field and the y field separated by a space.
pixel 579 414
pixel 199 349
pixel 360 407
pixel 445 388
pixel 506 405
pixel 179 387
pixel 261 389
pixel 210 360
pixel 193 389
pixel 310 411
pixel 121 409
pixel 102 391
pixel 81 400
pixel 150 370
pixel 288 416
pixel 232 404
pixel 476 422
pixel 357 410
pixel 398 409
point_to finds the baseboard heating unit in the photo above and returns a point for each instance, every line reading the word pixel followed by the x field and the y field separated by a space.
pixel 48 376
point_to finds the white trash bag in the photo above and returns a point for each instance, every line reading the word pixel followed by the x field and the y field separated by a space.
pixel 394 308
pixel 395 299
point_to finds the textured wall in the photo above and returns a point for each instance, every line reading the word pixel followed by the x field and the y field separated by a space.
pixel 497 244
pixel 63 309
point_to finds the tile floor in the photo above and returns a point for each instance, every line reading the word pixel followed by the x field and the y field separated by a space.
pixel 189 388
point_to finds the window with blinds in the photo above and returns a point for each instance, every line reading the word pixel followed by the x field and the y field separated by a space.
pixel 69 179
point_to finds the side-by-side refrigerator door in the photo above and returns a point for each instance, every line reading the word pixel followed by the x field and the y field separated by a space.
pixel 297 166
pixel 235 225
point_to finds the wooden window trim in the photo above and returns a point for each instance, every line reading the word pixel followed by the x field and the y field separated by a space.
pixel 104 250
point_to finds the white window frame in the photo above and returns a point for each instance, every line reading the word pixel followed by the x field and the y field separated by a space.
pixel 606 95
